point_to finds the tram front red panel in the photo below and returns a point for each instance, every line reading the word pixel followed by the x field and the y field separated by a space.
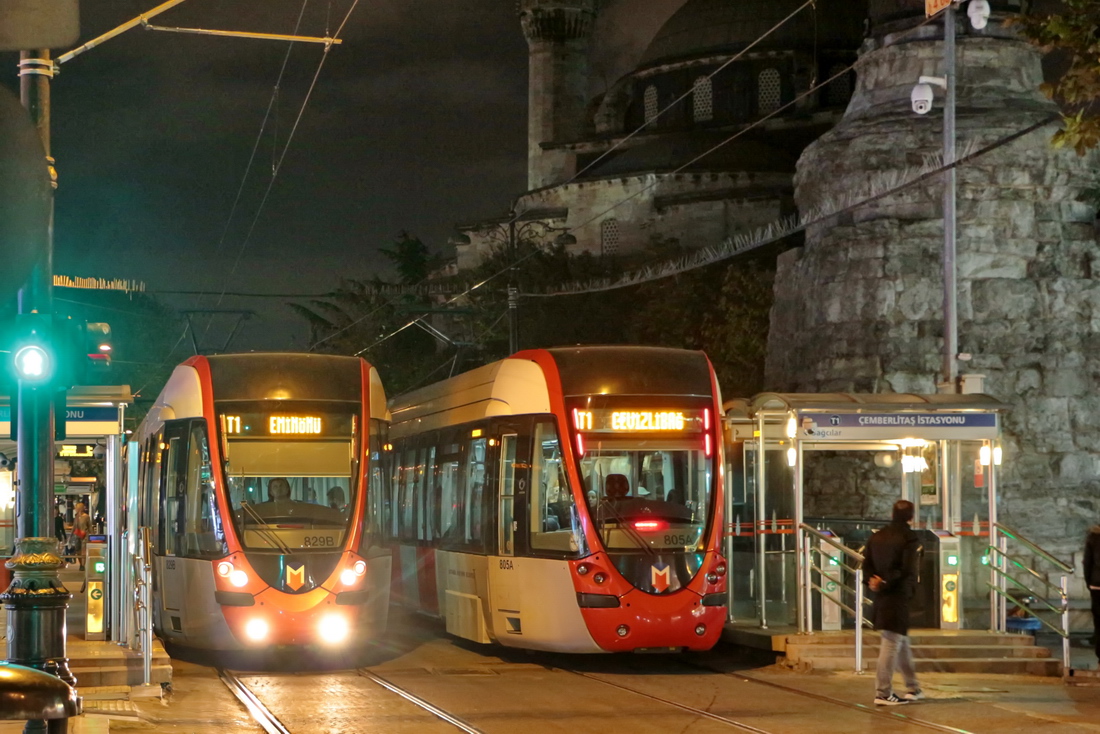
pixel 656 622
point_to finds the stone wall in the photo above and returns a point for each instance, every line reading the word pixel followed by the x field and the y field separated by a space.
pixel 859 308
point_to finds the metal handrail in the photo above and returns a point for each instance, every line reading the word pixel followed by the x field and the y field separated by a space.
pixel 1019 563
pixel 809 566
pixel 1044 554
pixel 854 555
pixel 999 575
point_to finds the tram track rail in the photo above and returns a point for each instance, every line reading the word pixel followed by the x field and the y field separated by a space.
pixel 260 713
pixel 272 725
pixel 682 706
pixel 418 701
pixel 888 714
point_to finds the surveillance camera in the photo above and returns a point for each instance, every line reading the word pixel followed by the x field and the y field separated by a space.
pixel 5 462
pixel 978 11
pixel 921 97
pixel 99 452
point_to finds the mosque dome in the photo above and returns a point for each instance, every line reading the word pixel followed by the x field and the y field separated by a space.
pixel 702 27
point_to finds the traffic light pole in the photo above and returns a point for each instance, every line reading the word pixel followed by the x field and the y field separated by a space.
pixel 36 601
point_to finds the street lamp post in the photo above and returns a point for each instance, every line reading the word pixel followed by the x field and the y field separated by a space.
pixel 921 98
pixel 950 295
pixel 510 234
pixel 36 601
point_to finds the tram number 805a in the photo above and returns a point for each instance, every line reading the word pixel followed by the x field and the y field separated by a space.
pixel 680 539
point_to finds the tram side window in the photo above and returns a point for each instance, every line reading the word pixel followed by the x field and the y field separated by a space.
pixel 554 523
pixel 449 491
pixel 429 506
pixel 377 483
pixel 475 491
pixel 205 537
pixel 406 529
pixel 173 519
pixel 150 486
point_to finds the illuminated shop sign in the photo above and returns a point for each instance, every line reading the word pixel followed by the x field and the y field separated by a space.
pixel 637 421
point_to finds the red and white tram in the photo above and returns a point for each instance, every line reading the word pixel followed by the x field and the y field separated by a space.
pixel 254 475
pixel 564 499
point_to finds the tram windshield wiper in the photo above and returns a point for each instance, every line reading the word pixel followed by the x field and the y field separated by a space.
pixel 271 537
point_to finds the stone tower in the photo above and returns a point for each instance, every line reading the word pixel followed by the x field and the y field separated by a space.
pixel 557 33
pixel 859 307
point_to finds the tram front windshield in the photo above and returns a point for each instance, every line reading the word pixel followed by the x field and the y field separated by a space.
pixel 647 493
pixel 291 477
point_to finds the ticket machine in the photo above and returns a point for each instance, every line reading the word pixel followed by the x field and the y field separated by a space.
pixel 830 560
pixel 95 587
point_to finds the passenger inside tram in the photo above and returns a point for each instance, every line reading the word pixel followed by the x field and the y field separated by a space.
pixel 278 490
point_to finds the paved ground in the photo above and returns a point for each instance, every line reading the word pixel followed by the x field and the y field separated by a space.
pixel 495 690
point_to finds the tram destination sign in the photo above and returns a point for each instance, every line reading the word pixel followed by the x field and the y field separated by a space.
pixel 890 426
pixel 635 420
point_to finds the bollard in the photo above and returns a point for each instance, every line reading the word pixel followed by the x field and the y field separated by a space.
pixel 28 694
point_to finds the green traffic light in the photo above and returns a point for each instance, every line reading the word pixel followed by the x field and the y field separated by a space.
pixel 32 363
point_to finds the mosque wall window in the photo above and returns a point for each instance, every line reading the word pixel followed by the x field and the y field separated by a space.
pixel 609 236
pixel 650 101
pixel 769 91
pixel 702 100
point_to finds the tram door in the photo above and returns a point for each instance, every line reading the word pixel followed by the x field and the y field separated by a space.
pixel 505 594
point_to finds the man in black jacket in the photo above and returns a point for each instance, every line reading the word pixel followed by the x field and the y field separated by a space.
pixel 890 570
pixel 1092 578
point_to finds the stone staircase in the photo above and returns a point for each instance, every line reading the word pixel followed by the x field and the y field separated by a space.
pixel 105 664
pixel 939 651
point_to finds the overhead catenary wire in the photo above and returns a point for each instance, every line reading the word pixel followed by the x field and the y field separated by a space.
pixel 784 228
pixel 286 148
pixel 647 272
pixel 271 104
pixel 515 216
pixel 685 95
pixel 278 164
pixel 520 260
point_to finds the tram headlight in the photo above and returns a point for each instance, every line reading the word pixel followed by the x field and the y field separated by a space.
pixel 700 629
pixel 257 629
pixel 360 568
pixel 348 577
pixel 333 629
pixel 225 568
pixel 622 631
pixel 712 578
pixel 720 569
pixel 600 578
pixel 583 569
pixel 238 578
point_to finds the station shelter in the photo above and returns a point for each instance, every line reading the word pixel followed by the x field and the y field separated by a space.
pixel 93 430
pixel 808 474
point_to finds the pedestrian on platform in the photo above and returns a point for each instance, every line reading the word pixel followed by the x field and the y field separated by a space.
pixel 82 526
pixel 1092 578
pixel 890 571
pixel 59 526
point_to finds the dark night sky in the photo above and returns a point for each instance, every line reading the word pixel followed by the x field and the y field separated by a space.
pixel 418 120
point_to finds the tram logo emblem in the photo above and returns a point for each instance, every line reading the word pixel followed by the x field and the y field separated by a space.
pixel 661 577
pixel 296 577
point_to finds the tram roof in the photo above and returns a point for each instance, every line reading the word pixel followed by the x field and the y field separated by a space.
pixel 836 402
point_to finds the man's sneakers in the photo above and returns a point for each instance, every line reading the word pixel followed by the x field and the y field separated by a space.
pixel 892 700
pixel 913 695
